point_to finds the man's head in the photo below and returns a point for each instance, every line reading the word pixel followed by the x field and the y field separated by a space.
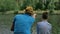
pixel 29 10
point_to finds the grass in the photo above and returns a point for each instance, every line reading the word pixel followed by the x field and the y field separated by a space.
pixel 6 22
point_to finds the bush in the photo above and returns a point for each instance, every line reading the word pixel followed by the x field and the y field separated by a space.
pixel 38 6
pixel 7 5
pixel 15 12
pixel 57 5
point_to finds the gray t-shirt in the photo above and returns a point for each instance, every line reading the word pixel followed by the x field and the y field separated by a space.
pixel 44 27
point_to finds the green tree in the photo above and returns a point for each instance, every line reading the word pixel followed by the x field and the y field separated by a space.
pixel 57 5
pixel 7 5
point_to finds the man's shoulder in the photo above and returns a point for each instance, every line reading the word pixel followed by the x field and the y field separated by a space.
pixel 18 15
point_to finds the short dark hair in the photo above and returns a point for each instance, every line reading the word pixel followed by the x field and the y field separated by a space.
pixel 45 15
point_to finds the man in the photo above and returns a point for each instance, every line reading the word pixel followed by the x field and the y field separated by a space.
pixel 23 22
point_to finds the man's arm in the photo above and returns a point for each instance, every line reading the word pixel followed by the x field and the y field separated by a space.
pixel 12 28
pixel 34 16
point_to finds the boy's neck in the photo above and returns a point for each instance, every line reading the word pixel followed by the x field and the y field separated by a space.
pixel 44 20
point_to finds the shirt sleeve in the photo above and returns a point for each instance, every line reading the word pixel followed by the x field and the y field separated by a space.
pixel 51 29
pixel 12 28
pixel 14 20
pixel 37 27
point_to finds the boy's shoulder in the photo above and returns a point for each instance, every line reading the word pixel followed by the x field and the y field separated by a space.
pixel 39 23
pixel 50 24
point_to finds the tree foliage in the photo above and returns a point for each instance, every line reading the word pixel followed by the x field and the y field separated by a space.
pixel 7 5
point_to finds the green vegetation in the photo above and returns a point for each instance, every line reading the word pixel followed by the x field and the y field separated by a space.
pixel 7 5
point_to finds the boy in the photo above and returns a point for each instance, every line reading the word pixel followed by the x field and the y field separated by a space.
pixel 44 27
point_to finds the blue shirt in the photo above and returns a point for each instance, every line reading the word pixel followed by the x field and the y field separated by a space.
pixel 23 23
pixel 44 27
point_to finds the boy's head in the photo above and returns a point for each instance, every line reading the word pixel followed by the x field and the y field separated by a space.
pixel 45 15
